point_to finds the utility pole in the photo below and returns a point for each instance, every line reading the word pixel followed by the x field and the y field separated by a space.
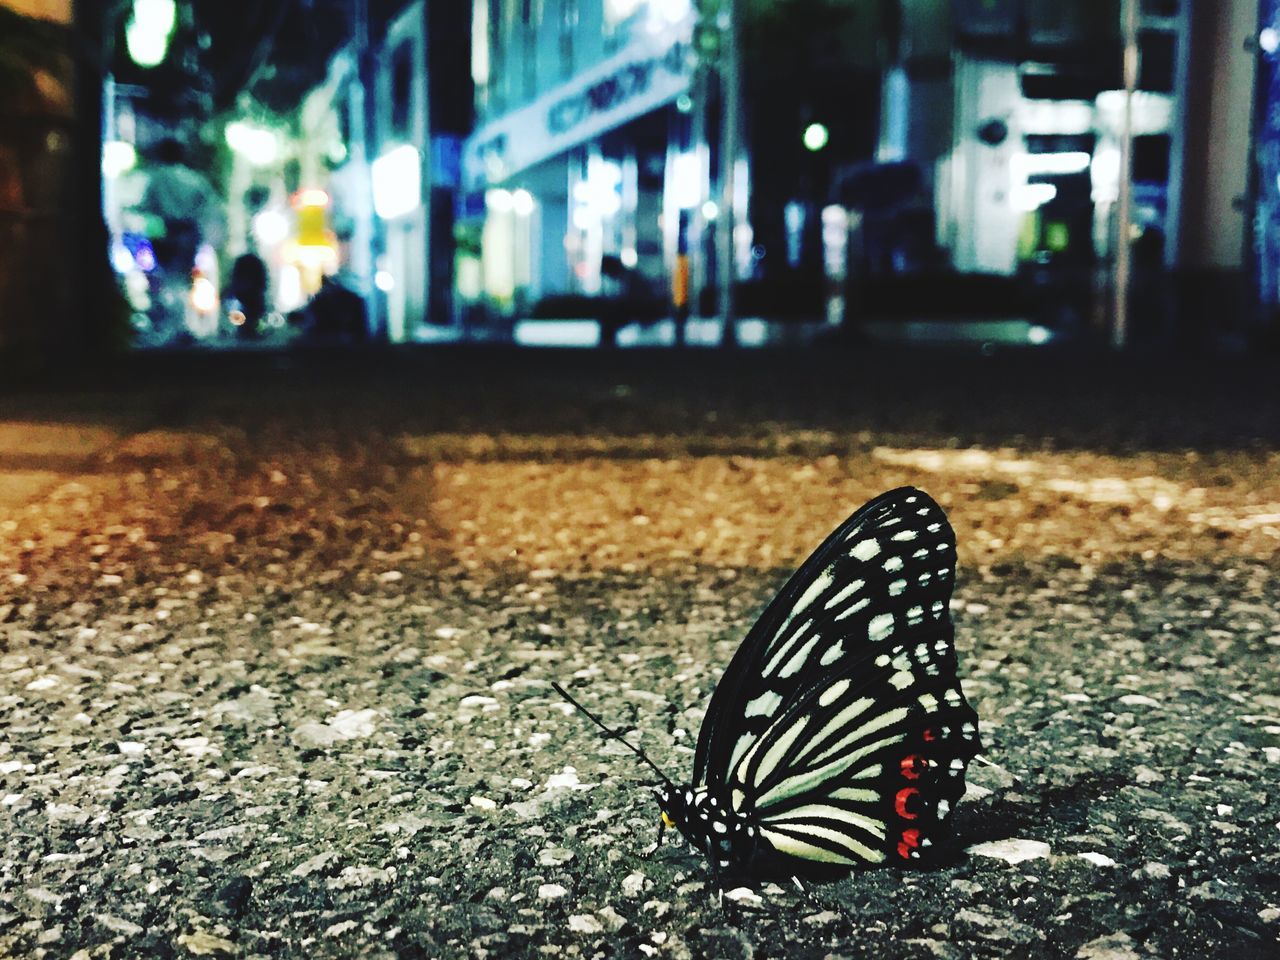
pixel 362 239
pixel 730 142
pixel 1123 256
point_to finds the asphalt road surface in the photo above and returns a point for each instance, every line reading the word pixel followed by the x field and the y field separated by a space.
pixel 277 638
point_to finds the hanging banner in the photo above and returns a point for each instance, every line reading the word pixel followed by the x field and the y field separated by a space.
pixel 652 70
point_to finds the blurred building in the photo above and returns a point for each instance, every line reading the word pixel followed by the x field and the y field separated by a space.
pixel 977 143
pixel 1014 114
pixel 582 153
pixel 356 187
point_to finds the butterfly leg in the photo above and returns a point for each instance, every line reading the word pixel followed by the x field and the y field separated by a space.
pixel 649 852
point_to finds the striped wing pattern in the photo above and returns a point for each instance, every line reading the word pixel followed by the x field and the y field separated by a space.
pixel 839 727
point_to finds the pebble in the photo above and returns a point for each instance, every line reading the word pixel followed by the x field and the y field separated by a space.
pixel 551 891
pixel 204 944
pixel 554 856
pixel 821 919
pixel 1115 946
pixel 1011 851
pixel 1138 700
pixel 352 724
pixel 312 864
pixel 483 803
pixel 118 925
pixel 316 736
pixel 566 780
pixel 611 919
pixel 633 884
pixel 1097 859
pixel 585 923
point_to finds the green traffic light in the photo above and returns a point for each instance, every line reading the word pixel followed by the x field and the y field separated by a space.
pixel 816 137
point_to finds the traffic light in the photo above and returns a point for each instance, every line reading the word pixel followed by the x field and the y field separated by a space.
pixel 708 32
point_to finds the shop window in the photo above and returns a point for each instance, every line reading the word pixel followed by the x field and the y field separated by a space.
pixel 1151 158
pixel 1161 8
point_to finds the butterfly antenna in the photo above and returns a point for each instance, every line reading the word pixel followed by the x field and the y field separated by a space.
pixel 612 733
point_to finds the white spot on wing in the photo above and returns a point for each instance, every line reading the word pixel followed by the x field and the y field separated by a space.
pixel 865 549
pixel 836 724
pixel 901 680
pixel 853 609
pixel 773 756
pixel 858 794
pixel 893 564
pixel 786 646
pixel 833 693
pixel 786 843
pixel 897 587
pixel 844 593
pixel 828 812
pixel 833 653
pixel 904 536
pixel 820 583
pixel 796 662
pixel 880 627
pixel 763 705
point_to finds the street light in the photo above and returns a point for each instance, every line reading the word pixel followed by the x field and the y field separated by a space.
pixel 148 31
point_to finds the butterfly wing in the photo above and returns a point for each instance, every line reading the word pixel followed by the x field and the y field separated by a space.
pixel 848 675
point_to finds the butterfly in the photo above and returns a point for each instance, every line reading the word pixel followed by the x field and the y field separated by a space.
pixel 838 735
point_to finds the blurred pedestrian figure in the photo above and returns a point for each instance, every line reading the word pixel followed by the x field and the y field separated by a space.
pixel 335 314
pixel 629 301
pixel 248 287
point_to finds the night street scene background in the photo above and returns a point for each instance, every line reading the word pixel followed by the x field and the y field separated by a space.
pixel 367 367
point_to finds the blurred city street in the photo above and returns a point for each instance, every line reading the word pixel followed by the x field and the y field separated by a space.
pixel 277 635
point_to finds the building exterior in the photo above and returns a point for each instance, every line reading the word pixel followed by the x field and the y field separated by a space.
pixel 361 185
pixel 967 139
pixel 1015 116
pixel 581 157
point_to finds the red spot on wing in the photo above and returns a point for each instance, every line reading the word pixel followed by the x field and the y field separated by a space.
pixel 929 735
pixel 910 840
pixel 911 766
pixel 902 799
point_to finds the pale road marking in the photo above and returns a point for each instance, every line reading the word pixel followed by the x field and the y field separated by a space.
pixel 1157 492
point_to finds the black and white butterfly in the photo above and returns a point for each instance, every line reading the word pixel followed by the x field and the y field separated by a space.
pixel 838 735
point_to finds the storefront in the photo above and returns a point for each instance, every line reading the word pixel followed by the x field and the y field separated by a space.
pixel 584 184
